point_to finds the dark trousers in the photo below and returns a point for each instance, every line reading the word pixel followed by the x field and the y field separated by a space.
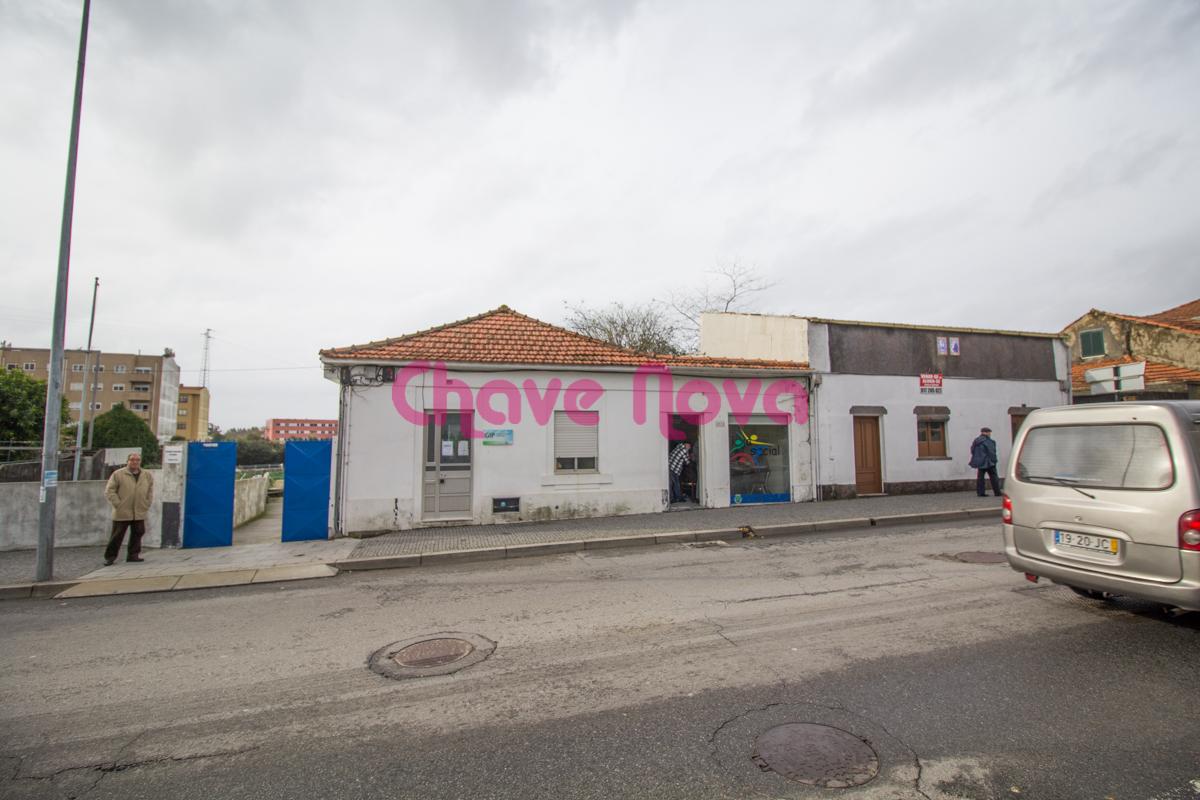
pixel 137 529
pixel 676 488
pixel 995 479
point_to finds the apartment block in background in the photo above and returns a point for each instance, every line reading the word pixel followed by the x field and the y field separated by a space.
pixel 279 429
pixel 146 385
pixel 192 420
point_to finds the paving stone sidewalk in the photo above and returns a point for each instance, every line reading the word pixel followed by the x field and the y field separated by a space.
pixel 479 537
pixel 84 563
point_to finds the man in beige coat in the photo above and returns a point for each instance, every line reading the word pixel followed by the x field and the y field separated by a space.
pixel 129 492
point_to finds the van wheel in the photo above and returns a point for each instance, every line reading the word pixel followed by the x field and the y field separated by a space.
pixel 1090 594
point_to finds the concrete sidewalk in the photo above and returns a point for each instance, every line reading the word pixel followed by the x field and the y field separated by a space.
pixel 78 572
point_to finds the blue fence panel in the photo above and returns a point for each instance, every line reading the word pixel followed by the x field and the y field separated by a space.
pixel 208 502
pixel 306 490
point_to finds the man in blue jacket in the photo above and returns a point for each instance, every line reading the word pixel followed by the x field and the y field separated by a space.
pixel 984 460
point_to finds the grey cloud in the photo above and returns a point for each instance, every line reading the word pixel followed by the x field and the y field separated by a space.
pixel 246 106
pixel 927 53
pixel 1127 164
pixel 1135 39
pixel 1165 267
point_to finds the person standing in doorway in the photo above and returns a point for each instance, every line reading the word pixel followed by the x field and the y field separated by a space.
pixel 681 456
pixel 984 459
pixel 129 491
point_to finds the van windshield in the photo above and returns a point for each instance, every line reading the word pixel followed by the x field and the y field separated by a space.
pixel 1122 456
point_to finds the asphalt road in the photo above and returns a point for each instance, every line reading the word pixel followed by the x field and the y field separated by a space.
pixel 647 672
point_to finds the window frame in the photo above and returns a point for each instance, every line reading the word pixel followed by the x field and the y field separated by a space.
pixel 1087 335
pixel 573 427
pixel 926 426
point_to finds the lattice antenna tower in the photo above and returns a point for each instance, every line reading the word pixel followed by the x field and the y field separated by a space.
pixel 204 362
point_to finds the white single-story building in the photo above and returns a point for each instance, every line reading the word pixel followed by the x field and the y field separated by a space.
pixel 501 417
pixel 897 406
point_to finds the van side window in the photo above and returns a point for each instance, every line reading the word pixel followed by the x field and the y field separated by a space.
pixel 1121 456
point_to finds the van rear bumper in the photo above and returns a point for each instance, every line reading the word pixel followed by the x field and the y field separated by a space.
pixel 1184 593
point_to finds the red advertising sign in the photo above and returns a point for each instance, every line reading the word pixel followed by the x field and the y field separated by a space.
pixel 931 380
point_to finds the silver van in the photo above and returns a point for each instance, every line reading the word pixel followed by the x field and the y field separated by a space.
pixel 1105 499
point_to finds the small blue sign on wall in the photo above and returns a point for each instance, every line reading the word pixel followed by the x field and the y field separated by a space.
pixel 501 437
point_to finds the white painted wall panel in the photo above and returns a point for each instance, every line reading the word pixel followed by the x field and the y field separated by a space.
pixel 972 403
pixel 384 462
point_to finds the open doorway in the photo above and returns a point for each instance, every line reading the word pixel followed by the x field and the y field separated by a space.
pixel 684 428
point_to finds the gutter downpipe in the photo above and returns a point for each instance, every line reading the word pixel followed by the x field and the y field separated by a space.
pixel 343 432
pixel 814 382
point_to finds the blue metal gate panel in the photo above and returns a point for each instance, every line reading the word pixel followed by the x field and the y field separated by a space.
pixel 306 490
pixel 208 503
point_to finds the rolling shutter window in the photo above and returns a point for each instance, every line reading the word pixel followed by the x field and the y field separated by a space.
pixel 576 446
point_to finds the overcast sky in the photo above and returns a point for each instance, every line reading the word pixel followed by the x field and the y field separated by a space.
pixel 297 175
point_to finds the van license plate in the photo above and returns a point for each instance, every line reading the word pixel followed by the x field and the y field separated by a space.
pixel 1103 545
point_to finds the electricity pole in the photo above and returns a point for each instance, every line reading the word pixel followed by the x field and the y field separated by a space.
pixel 89 378
pixel 204 363
pixel 48 495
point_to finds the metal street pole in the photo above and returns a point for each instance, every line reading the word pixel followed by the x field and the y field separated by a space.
pixel 48 496
pixel 91 412
pixel 89 381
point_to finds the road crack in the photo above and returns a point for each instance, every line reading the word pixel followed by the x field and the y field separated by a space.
pixel 720 630
pixel 107 767
pixel 829 591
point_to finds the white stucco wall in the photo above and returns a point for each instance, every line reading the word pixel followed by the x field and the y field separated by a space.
pixel 383 460
pixel 973 404
pixel 754 336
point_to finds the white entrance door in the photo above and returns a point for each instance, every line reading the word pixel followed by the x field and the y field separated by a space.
pixel 447 478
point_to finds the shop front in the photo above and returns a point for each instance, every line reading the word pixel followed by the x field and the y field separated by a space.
pixel 758 462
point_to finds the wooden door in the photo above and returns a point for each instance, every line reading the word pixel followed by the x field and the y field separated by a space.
pixel 868 469
pixel 1017 421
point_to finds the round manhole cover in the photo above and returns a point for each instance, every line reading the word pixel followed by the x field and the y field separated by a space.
pixel 816 755
pixel 980 557
pixel 433 653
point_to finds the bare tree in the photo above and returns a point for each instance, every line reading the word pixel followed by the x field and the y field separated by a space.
pixel 643 328
pixel 730 289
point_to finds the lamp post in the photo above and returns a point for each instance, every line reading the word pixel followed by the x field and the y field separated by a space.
pixel 48 494
pixel 89 382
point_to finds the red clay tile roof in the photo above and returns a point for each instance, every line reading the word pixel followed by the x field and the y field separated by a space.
pixel 1185 317
pixel 1182 316
pixel 503 336
pixel 1156 373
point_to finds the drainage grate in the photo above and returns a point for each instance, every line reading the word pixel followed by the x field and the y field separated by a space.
pixel 980 557
pixel 816 755
pixel 433 654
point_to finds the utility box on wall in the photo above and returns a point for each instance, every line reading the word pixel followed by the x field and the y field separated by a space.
pixel 506 504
